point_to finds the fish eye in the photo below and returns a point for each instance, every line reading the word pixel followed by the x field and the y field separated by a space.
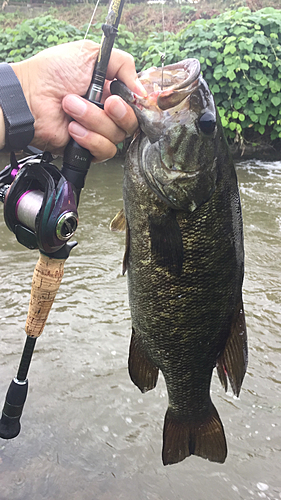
pixel 207 123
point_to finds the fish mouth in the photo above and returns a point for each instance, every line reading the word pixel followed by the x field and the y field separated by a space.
pixel 171 77
pixel 167 87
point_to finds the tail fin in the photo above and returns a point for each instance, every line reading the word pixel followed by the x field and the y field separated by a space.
pixel 184 438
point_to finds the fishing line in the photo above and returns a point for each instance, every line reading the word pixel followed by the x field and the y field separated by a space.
pixel 90 23
pixel 163 55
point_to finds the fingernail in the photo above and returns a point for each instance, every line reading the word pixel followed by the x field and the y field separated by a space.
pixel 77 129
pixel 118 109
pixel 74 105
pixel 140 90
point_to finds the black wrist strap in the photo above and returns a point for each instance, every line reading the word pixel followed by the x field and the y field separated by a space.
pixel 17 116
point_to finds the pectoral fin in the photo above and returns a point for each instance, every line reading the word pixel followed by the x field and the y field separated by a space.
pixel 143 373
pixel 118 223
pixel 232 362
pixel 166 242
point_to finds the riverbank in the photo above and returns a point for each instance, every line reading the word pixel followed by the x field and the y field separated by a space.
pixel 137 17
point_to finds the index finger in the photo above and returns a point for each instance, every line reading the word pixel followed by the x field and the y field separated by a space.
pixel 122 66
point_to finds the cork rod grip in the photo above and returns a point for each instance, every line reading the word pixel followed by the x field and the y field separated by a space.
pixel 46 280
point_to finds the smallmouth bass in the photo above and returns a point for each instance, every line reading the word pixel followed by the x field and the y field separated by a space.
pixel 184 256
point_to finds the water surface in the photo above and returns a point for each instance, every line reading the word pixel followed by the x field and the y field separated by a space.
pixel 87 432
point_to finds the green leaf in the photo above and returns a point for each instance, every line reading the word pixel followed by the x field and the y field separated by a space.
pixel 229 49
pixel 254 117
pixel 244 66
pixel 218 72
pixel 156 60
pixel 264 81
pixel 231 75
pixel 275 100
pixel 263 118
pixel 255 97
pixel 229 39
pixel 275 86
pixel 224 121
pixel 232 125
pixel 215 89
pixel 237 105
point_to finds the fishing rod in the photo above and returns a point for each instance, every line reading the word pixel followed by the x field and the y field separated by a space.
pixel 40 207
pixel 77 160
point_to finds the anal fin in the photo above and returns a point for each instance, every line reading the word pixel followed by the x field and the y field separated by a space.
pixel 232 362
pixel 184 438
pixel 142 372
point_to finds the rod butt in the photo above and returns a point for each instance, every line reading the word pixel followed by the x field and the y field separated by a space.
pixel 13 406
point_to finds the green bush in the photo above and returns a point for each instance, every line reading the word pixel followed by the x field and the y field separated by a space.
pixel 33 35
pixel 239 52
pixel 240 56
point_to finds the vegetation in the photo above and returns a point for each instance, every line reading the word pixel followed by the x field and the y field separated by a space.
pixel 240 56
pixel 239 51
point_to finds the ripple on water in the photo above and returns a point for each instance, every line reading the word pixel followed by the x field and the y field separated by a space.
pixel 87 432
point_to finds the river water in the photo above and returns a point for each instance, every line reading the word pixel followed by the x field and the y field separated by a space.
pixel 87 432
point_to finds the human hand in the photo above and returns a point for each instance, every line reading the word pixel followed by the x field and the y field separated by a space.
pixel 53 82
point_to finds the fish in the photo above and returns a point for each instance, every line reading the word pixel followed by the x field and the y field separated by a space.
pixel 184 256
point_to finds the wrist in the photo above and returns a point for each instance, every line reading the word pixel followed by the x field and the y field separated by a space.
pixel 21 71
pixel 2 130
pixel 17 129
